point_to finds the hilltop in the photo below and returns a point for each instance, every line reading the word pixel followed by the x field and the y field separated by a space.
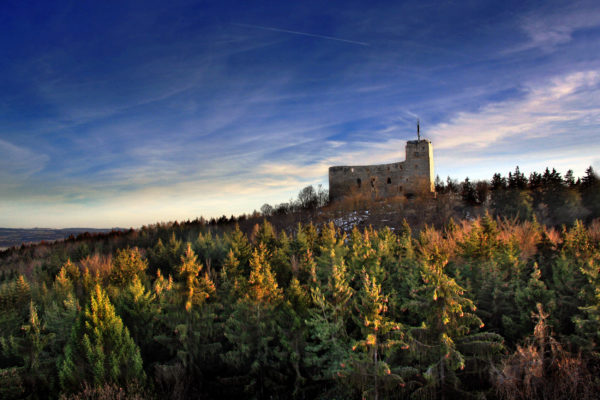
pixel 358 298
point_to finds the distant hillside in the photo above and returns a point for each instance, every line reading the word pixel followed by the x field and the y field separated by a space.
pixel 15 237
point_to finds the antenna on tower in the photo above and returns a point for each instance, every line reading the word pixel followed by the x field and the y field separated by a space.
pixel 418 131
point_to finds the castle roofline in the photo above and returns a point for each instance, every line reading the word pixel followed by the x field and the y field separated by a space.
pixel 418 141
pixel 366 166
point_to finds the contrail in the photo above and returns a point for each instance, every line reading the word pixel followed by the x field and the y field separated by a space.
pixel 267 28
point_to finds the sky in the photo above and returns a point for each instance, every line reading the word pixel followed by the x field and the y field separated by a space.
pixel 123 114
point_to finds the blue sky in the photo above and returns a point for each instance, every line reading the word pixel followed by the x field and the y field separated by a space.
pixel 130 113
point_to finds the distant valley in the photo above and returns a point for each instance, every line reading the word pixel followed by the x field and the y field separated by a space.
pixel 15 237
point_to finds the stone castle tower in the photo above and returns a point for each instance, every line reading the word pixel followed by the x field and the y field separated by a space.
pixel 406 178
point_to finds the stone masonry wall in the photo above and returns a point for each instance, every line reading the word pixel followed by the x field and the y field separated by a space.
pixel 408 177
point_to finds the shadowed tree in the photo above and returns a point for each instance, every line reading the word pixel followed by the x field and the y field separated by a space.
pixel 100 349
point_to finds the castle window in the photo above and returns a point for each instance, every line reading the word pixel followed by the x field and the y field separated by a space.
pixel 372 182
pixel 399 189
pixel 389 181
pixel 358 182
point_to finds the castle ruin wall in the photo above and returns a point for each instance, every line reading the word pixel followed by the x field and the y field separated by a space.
pixel 409 177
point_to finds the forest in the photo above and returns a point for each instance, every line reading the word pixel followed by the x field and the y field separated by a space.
pixel 489 290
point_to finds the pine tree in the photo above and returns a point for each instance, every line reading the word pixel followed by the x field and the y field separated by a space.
pixel 187 329
pixel 588 324
pixel 262 285
pixel 241 247
pixel 293 328
pixel 232 281
pixel 590 192
pixel 100 349
pixel 444 342
pixel 329 346
pixel 63 286
pixel 367 369
pixel 14 305
pixel 527 298
pixel 28 353
pixel 127 264
pixel 138 309
pixel 257 355
pixel 194 289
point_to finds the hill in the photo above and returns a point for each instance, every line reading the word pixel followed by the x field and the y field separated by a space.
pixel 474 293
pixel 10 237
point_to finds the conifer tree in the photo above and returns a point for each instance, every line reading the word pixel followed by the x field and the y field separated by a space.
pixel 14 301
pixel 281 261
pixel 138 309
pixel 330 249
pixel 329 346
pixel 28 353
pixel 528 296
pixel 211 250
pixel 60 316
pixel 187 329
pixel 294 312
pixel 100 349
pixel 265 234
pixel 241 247
pixel 367 369
pixel 262 285
pixel 444 343
pixel 257 353
pixel 590 192
pixel 127 264
pixel 588 323
pixel 233 283
pixel 195 289
pixel 63 286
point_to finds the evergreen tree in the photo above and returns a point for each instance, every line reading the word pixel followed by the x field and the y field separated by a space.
pixel 444 343
pixel 241 247
pixel 15 297
pixel 468 193
pixel 590 192
pixel 138 309
pixel 233 283
pixel 127 264
pixel 194 289
pixel 367 369
pixel 257 353
pixel 329 346
pixel 262 285
pixel 100 349
pixel 187 330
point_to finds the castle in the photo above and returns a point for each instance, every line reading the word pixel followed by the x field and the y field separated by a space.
pixel 405 178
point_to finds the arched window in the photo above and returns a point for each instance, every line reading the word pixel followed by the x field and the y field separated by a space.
pixel 389 181
pixel 358 182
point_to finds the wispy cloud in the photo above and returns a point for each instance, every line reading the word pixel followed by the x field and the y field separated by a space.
pixel 542 112
pixel 184 113
pixel 548 29
pixel 272 29
pixel 19 162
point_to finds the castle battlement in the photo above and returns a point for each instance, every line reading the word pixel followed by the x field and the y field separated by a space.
pixel 409 177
